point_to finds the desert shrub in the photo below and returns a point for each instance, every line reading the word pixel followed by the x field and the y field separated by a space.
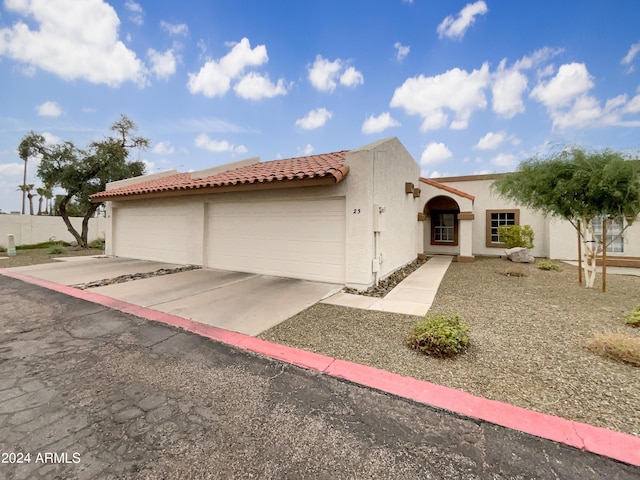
pixel 55 249
pixel 515 271
pixel 633 317
pixel 547 264
pixel 97 243
pixel 617 346
pixel 516 236
pixel 439 335
pixel 3 249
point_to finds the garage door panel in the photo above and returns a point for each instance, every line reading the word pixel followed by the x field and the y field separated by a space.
pixel 157 233
pixel 299 239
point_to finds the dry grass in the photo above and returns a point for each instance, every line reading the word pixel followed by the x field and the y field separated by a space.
pixel 618 346
pixel 527 337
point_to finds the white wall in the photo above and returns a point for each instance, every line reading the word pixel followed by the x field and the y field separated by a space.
pixel 484 201
pixel 563 241
pixel 377 176
pixel 30 229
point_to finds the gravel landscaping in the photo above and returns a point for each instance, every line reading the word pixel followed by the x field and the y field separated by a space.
pixel 527 333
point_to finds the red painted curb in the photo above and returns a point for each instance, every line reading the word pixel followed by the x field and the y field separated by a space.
pixel 608 443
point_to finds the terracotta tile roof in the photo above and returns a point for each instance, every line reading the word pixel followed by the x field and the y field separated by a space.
pixel 447 188
pixel 327 165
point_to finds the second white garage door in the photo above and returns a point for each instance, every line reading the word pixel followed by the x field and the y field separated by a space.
pixel 298 239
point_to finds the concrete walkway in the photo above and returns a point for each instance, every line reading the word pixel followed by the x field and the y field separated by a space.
pixel 413 296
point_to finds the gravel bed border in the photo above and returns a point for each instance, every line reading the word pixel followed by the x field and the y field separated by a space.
pixel 527 335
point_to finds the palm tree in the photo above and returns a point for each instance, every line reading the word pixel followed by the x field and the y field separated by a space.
pixel 40 191
pixel 26 190
pixel 48 194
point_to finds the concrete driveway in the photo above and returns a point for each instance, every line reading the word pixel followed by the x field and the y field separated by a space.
pixel 242 302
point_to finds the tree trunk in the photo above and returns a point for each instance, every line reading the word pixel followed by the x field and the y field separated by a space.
pixel 40 205
pixel 579 254
pixel 24 187
pixel 63 213
pixel 30 195
pixel 604 254
pixel 85 223
pixel 590 253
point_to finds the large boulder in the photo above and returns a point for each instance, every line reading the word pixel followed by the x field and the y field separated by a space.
pixel 520 255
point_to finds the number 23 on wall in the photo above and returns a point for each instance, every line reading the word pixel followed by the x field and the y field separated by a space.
pixel 356 211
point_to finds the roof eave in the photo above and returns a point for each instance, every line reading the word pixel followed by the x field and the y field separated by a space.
pixel 332 178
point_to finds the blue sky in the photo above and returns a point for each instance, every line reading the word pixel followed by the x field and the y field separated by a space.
pixel 467 87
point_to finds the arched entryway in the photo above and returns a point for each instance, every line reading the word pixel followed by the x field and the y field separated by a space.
pixel 441 234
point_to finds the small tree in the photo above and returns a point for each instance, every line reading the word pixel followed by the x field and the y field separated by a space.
pixel 578 186
pixel 82 173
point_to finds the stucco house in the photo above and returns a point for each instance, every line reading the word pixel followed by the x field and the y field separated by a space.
pixel 348 217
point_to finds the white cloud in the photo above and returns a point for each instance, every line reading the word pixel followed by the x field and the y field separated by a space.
pixel 351 77
pixel 163 65
pixel 491 141
pixel 214 78
pixel 149 166
pixel 51 139
pixel 455 27
pixel 401 51
pixel 507 89
pixel 136 12
pixel 634 104
pixel 571 81
pixel 456 90
pixel 163 148
pixel 11 169
pixel 73 40
pixel 175 29
pixel 254 86
pixel 378 124
pixel 307 150
pixel 630 56
pixel 49 109
pixel 509 83
pixel 203 141
pixel 503 160
pixel 324 75
pixel 434 154
pixel 569 104
pixel 314 119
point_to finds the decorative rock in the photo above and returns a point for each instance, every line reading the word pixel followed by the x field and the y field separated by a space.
pixel 520 255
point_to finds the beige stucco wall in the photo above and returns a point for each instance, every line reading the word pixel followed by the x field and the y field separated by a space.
pixel 31 229
pixel 377 176
pixel 563 243
pixel 485 200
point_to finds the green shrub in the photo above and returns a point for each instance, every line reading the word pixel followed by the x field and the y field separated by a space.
pixel 633 317
pixel 56 249
pixel 3 249
pixel 516 236
pixel 50 243
pixel 547 264
pixel 97 243
pixel 439 335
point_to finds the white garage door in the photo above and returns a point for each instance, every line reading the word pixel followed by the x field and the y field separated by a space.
pixel 158 232
pixel 296 238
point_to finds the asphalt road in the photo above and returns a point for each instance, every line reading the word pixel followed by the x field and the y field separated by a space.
pixel 87 392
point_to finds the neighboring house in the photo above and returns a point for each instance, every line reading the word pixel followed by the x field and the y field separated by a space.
pixel 349 217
